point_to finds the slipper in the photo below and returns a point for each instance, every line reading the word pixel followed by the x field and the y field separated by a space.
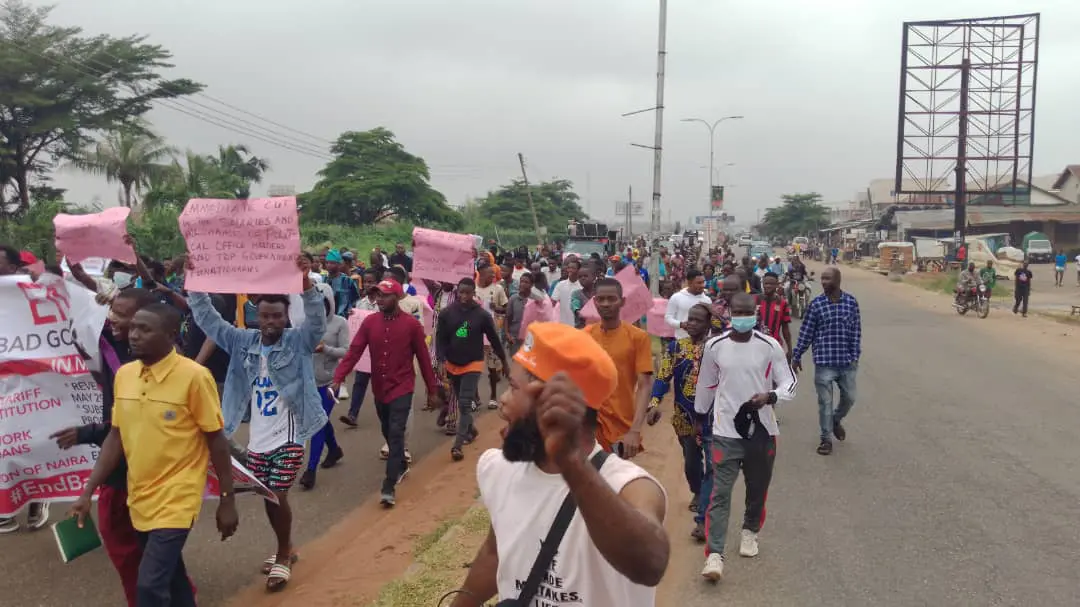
pixel 269 563
pixel 278 577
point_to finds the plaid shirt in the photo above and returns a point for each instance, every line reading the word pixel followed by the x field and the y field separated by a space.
pixel 833 329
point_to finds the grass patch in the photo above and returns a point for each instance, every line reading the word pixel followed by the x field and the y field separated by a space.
pixel 440 564
pixel 945 283
pixel 428 540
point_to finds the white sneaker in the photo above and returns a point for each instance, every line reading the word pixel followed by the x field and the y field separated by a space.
pixel 714 567
pixel 748 547
pixel 408 456
pixel 384 451
pixel 493 404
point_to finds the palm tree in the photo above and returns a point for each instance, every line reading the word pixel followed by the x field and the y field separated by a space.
pixel 131 156
pixel 238 161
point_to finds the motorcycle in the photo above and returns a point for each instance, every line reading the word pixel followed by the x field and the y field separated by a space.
pixel 799 301
pixel 976 299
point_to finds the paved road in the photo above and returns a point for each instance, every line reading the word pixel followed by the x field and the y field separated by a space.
pixel 957 485
pixel 34 576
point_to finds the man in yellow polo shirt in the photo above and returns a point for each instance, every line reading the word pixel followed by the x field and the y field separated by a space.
pixel 167 422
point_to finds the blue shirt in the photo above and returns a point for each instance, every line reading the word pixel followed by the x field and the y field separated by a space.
pixel 1060 261
pixel 834 330
pixel 346 294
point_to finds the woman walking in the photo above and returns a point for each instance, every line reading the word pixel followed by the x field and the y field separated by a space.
pixel 331 349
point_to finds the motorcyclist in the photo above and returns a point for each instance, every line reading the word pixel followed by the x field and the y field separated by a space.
pixel 796 274
pixel 969 281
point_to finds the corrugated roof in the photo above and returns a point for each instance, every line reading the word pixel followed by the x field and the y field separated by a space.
pixel 942 219
pixel 1072 169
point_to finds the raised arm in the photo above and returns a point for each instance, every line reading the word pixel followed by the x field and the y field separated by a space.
pixel 314 327
pixel 217 329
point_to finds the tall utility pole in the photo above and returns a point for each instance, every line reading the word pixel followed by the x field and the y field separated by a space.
pixel 712 149
pixel 960 206
pixel 532 207
pixel 658 141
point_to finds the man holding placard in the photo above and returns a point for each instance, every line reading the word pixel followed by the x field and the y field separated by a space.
pixel 271 373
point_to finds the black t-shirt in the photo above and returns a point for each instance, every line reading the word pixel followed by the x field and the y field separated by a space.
pixel 401 259
pixel 1023 280
pixel 797 273
pixel 219 360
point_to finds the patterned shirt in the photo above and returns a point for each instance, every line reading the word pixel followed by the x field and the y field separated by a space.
pixel 679 362
pixel 833 329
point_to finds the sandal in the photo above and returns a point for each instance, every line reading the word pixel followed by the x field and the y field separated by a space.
pixel 278 577
pixel 456 454
pixel 269 563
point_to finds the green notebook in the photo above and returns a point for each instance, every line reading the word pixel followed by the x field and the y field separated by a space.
pixel 74 542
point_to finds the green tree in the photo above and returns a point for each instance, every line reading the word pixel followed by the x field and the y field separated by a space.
pixel 197 176
pixel 371 179
pixel 58 89
pixel 238 161
pixel 800 214
pixel 555 202
pixel 130 156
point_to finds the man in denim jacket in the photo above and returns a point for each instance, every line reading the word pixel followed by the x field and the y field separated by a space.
pixel 271 373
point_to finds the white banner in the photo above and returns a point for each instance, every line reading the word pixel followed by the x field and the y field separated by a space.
pixel 44 387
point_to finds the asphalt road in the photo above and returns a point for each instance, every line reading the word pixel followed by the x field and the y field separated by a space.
pixel 34 575
pixel 957 484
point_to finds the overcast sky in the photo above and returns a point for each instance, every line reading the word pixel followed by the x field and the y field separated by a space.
pixel 467 84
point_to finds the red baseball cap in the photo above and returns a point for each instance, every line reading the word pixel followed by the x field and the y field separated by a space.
pixel 27 258
pixel 391 287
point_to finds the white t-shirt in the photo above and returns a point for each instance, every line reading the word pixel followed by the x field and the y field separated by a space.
pixel 271 424
pixel 562 294
pixel 493 295
pixel 1078 263
pixel 678 309
pixel 523 501
pixel 731 372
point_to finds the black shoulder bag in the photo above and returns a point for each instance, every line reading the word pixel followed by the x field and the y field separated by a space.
pixel 551 544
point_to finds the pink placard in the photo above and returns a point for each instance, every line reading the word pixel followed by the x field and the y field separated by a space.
pixel 356 318
pixel 242 246
pixel 79 237
pixel 654 320
pixel 636 298
pixel 537 311
pixel 442 256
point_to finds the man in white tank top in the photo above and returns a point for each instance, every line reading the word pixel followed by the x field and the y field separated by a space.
pixel 615 549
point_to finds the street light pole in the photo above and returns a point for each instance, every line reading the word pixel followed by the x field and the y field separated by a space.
pixel 712 147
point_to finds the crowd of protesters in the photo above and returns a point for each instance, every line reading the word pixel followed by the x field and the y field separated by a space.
pixel 581 388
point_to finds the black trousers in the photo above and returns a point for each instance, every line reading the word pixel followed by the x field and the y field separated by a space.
pixel 393 417
pixel 1021 304
pixel 163 580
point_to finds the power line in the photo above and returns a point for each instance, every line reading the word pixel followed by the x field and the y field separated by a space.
pixel 319 140
pixel 171 104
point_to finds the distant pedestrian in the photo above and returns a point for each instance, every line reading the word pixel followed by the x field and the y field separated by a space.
pixel 1060 260
pixel 1022 289
pixel 832 326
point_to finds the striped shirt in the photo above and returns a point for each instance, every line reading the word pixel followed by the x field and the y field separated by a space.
pixel 773 313
pixel 833 329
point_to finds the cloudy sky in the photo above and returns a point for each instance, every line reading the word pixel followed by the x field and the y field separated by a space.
pixel 470 83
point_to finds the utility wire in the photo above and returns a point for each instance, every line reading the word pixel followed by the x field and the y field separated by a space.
pixel 171 104
pixel 321 141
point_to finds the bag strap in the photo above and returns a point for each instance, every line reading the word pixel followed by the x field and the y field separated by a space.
pixel 553 539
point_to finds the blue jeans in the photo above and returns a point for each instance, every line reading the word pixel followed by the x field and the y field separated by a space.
pixel 163 580
pixel 706 480
pixel 326 435
pixel 824 378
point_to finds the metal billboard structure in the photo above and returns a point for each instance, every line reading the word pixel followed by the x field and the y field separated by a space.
pixel 967 108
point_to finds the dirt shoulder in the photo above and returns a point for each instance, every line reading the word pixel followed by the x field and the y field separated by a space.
pixel 411 555
pixel 354 559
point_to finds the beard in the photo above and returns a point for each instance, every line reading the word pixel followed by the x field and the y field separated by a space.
pixel 523 442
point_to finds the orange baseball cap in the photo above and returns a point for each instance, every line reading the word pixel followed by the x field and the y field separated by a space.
pixel 551 347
